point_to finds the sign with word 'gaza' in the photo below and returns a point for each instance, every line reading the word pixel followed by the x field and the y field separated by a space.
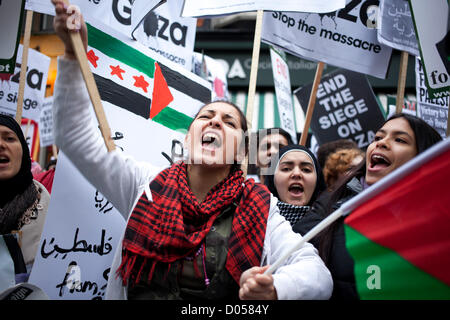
pixel 346 38
pixel 35 85
pixel 346 108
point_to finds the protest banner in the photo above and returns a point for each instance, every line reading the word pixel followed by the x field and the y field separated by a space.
pixel 432 110
pixel 283 92
pixel 205 8
pixel 346 38
pixel 35 85
pixel 83 228
pixel 46 123
pixel 346 108
pixel 163 30
pixel 396 27
pixel 433 33
pixel 11 13
pixel 24 65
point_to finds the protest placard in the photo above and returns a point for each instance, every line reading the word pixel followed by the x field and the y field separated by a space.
pixel 346 108
pixel 46 123
pixel 433 33
pixel 283 92
pixel 11 14
pixel 346 38
pixel 396 27
pixel 433 110
pixel 35 85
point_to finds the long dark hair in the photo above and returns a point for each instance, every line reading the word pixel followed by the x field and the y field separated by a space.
pixel 425 136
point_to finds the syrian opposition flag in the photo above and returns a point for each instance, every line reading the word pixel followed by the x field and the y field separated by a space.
pixel 129 78
pixel 400 238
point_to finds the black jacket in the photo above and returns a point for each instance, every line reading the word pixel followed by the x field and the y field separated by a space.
pixel 337 259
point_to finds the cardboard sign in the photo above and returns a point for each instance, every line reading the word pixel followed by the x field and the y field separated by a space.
pixel 396 27
pixel 346 38
pixel 46 123
pixel 433 33
pixel 162 30
pixel 205 8
pixel 434 111
pixel 346 108
pixel 35 85
pixel 283 92
pixel 11 14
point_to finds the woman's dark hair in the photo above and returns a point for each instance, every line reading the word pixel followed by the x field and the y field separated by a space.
pixel 17 184
pixel 320 182
pixel 425 135
pixel 242 121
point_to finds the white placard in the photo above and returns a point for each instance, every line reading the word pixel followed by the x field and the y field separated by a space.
pixel 46 123
pixel 346 38
pixel 283 93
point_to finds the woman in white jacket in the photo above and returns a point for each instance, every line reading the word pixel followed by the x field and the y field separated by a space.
pixel 198 229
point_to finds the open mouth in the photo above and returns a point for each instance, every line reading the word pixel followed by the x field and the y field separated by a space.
pixel 378 161
pixel 4 159
pixel 296 189
pixel 211 140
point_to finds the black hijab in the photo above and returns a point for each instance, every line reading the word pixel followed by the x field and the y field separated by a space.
pixel 320 183
pixel 16 185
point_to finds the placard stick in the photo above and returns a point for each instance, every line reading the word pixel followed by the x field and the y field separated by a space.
pixel 27 127
pixel 80 53
pixel 311 103
pixel 23 67
pixel 55 151
pixel 253 77
pixel 401 81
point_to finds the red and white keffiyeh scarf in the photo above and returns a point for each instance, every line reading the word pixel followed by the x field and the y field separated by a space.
pixel 174 224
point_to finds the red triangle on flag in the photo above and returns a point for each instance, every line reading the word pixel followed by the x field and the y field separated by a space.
pixel 161 96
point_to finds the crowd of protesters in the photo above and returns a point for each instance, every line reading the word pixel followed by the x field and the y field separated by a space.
pixel 202 213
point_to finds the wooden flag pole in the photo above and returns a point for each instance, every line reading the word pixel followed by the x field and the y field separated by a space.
pixel 253 78
pixel 80 54
pixel 401 81
pixel 23 67
pixel 312 102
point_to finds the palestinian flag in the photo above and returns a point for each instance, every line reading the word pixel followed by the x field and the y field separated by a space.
pixel 400 238
pixel 132 80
